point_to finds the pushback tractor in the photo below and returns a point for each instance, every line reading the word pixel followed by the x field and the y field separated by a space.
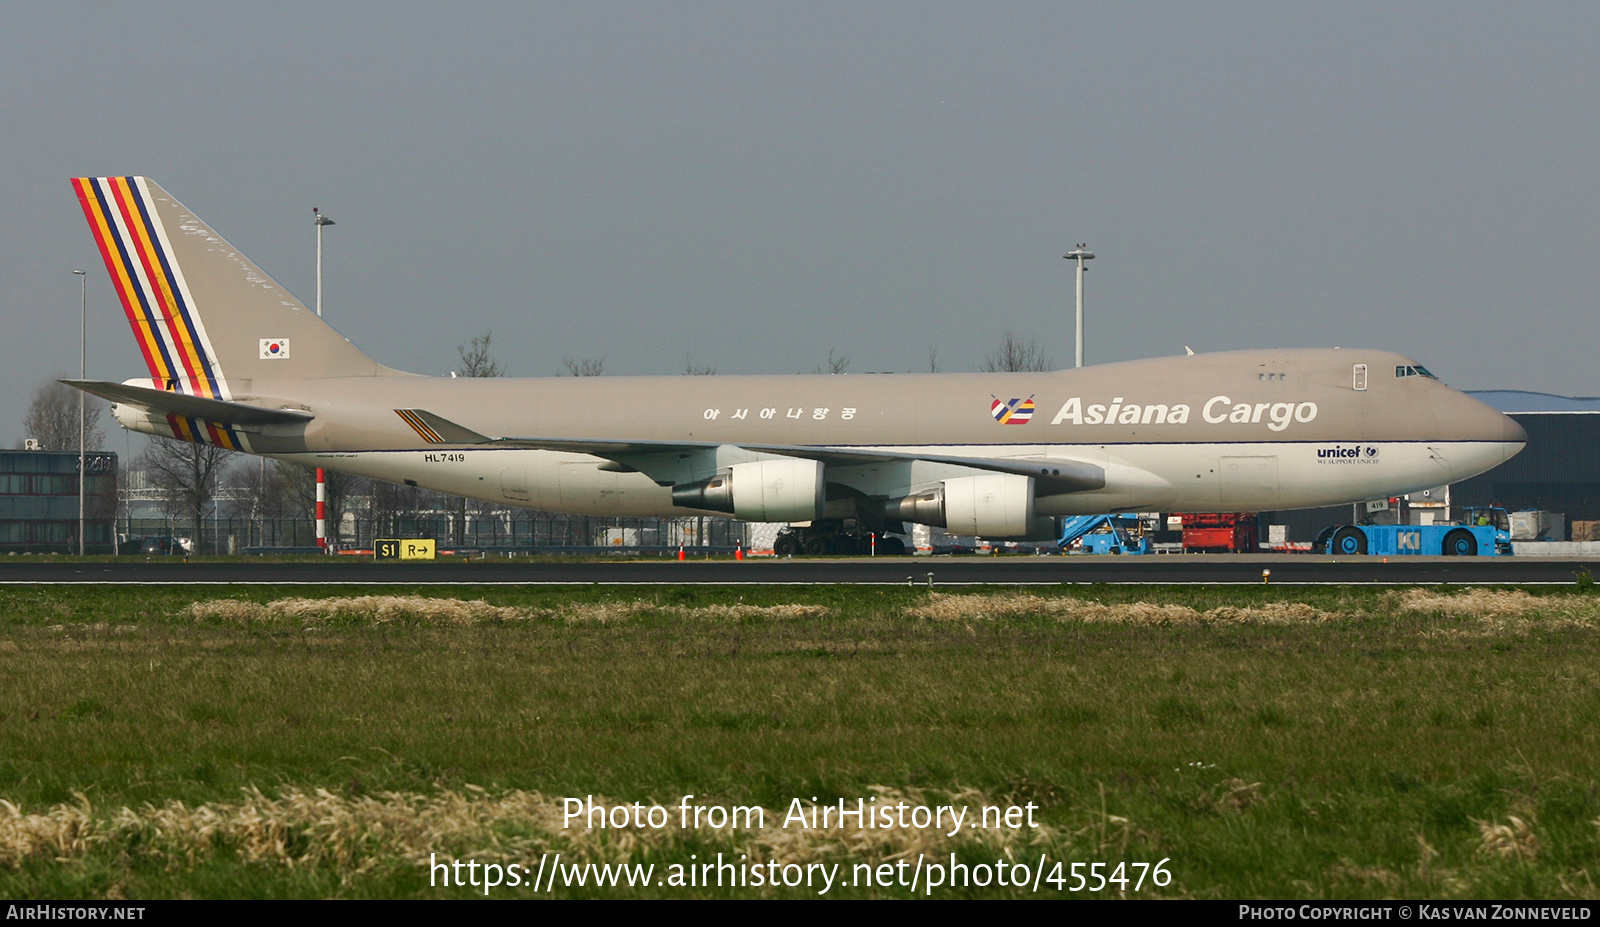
pixel 1482 532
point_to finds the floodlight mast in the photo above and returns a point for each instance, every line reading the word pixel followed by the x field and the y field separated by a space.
pixel 83 374
pixel 320 220
pixel 322 525
pixel 1080 254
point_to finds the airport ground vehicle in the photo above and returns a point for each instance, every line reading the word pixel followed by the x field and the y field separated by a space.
pixel 1219 532
pixel 1482 532
pixel 164 545
pixel 1105 534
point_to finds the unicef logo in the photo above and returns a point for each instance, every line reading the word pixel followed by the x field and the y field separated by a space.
pixel 1369 451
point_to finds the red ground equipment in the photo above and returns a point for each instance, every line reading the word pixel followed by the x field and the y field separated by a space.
pixel 1219 532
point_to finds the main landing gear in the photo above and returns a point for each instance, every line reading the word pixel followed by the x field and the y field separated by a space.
pixel 832 536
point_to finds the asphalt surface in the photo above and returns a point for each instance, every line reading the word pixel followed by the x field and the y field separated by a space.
pixel 1009 570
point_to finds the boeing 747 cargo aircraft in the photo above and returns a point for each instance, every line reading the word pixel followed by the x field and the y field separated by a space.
pixel 236 360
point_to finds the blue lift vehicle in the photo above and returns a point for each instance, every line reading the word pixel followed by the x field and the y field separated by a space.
pixel 1105 534
pixel 1482 531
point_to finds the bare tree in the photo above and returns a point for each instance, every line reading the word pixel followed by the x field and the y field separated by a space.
pixel 300 491
pixel 476 359
pixel 256 496
pixel 933 359
pixel 1016 354
pixel 188 473
pixel 257 490
pixel 585 367
pixel 52 418
pixel 393 507
pixel 697 370
pixel 835 365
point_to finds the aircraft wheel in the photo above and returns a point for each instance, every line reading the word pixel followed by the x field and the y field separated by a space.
pixel 1348 540
pixel 816 545
pixel 891 547
pixel 786 545
pixel 1460 543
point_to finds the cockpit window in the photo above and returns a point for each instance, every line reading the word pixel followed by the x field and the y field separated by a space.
pixel 1416 370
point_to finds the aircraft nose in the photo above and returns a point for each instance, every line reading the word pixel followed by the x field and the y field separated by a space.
pixel 1511 432
pixel 1492 425
pixel 1464 418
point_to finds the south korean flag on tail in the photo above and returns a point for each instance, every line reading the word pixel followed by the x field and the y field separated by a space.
pixel 274 349
pixel 1013 412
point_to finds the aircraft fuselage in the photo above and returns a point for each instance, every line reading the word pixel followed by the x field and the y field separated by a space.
pixel 1271 429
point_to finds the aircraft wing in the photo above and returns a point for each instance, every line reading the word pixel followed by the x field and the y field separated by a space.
pixel 669 462
pixel 659 459
pixel 163 402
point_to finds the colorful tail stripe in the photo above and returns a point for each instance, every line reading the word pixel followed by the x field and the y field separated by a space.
pixel 419 426
pixel 1015 412
pixel 198 431
pixel 139 257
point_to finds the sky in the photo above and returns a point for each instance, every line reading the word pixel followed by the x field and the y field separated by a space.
pixel 749 186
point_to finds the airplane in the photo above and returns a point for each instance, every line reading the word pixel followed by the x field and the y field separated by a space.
pixel 237 361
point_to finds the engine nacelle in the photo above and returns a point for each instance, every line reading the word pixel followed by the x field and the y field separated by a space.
pixel 924 508
pixel 995 505
pixel 761 490
pixel 1044 529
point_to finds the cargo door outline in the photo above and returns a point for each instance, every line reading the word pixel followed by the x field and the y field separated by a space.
pixel 1246 478
pixel 514 483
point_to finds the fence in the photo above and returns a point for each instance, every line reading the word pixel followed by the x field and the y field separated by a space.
pixel 512 530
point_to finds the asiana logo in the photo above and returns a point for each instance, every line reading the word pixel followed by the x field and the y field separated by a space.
pixel 1348 454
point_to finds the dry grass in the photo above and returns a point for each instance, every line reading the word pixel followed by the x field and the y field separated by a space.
pixel 1346 870
pixel 1473 603
pixel 1499 611
pixel 390 609
pixel 316 828
pixel 602 613
pixel 1512 840
pixel 958 607
pixel 366 609
pixel 1237 795
pixel 349 835
pixel 64 831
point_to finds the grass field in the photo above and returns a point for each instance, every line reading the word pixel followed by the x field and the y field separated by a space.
pixel 1266 742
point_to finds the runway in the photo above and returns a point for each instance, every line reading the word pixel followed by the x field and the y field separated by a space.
pixel 920 571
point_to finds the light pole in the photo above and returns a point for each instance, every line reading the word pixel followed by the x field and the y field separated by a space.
pixel 1080 254
pixel 320 220
pixel 83 374
pixel 322 524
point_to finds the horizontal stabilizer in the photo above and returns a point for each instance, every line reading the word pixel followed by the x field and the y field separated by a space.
pixel 220 411
pixel 437 430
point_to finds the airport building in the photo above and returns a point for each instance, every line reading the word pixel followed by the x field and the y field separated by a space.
pixel 39 501
pixel 1559 471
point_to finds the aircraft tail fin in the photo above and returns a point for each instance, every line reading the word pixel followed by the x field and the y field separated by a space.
pixel 202 313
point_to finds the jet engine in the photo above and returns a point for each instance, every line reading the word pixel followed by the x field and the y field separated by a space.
pixel 994 505
pixel 761 490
